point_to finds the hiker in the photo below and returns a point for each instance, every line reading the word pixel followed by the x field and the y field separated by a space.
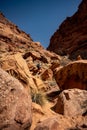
pixel 38 68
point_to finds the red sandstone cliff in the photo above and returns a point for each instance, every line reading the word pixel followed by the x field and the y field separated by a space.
pixel 71 37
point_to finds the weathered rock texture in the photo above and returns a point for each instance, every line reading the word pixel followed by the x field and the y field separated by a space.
pixel 16 66
pixel 59 122
pixel 71 37
pixel 19 55
pixel 41 73
pixel 13 40
pixel 72 102
pixel 73 75
pixel 11 37
pixel 54 123
pixel 15 104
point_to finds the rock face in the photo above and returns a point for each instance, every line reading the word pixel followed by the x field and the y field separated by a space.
pixel 16 66
pixel 72 102
pixel 47 75
pixel 13 40
pixel 71 37
pixel 54 123
pixel 43 75
pixel 19 55
pixel 15 104
pixel 73 75
pixel 11 37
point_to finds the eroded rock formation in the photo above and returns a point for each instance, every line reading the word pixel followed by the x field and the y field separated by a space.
pixel 19 55
pixel 71 37
pixel 67 99
pixel 15 104
pixel 37 74
pixel 73 75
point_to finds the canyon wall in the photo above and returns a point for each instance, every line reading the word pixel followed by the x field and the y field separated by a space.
pixel 71 37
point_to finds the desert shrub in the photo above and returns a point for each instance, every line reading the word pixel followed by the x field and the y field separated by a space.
pixel 39 98
pixel 64 61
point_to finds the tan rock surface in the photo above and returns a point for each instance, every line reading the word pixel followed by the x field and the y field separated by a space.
pixel 47 75
pixel 72 102
pixel 20 56
pixel 41 113
pixel 73 75
pixel 17 67
pixel 39 83
pixel 15 104
pixel 11 34
pixel 54 123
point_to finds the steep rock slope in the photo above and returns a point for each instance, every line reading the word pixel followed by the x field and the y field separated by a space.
pixel 11 37
pixel 41 74
pixel 71 37
pixel 20 55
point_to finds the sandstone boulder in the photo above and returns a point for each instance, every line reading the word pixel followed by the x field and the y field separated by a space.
pixel 16 66
pixel 15 104
pixel 37 114
pixel 72 102
pixel 73 75
pixel 39 84
pixel 54 123
pixel 47 75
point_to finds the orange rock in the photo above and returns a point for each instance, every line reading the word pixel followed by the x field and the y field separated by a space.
pixel 73 75
pixel 16 66
pixel 72 103
pixel 54 123
pixel 47 75
pixel 15 104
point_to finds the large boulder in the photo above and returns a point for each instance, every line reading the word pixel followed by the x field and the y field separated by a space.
pixel 16 66
pixel 49 124
pixel 72 102
pixel 54 123
pixel 73 75
pixel 47 75
pixel 15 104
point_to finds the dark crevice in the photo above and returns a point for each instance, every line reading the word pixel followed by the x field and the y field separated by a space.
pixel 4 126
pixel 85 113
pixel 54 94
pixel 18 122
pixel 84 126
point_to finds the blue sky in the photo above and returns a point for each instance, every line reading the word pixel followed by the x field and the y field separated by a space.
pixel 39 18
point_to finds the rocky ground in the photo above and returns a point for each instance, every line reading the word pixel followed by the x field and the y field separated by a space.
pixel 39 90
